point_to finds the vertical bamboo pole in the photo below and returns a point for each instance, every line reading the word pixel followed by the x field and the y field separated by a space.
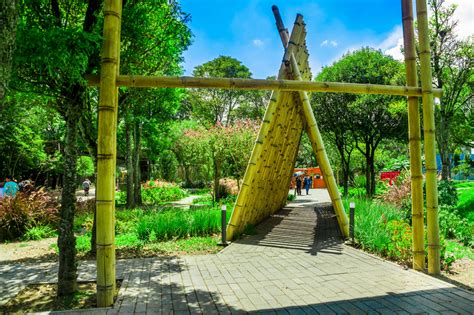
pixel 107 121
pixel 317 141
pixel 430 142
pixel 414 139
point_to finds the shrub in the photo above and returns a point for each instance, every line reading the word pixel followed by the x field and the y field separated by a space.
pixel 228 186
pixel 156 195
pixel 401 239
pixel 399 194
pixel 447 194
pixel 291 197
pixel 39 233
pixel 25 211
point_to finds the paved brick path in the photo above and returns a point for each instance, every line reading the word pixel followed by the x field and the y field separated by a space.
pixel 295 264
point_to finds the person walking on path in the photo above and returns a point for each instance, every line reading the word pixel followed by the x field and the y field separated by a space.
pixel 298 186
pixel 307 183
pixel 86 185
pixel 11 187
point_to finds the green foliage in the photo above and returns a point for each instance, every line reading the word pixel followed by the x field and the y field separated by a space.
pixel 362 121
pixel 465 206
pixel 213 106
pixel 159 195
pixel 155 195
pixel 458 251
pixel 401 239
pixel 447 194
pixel 291 197
pixel 452 225
pixel 175 224
pixel 85 166
pixel 39 232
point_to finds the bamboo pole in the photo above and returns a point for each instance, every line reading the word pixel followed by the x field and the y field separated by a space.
pixel 317 142
pixel 107 116
pixel 430 141
pixel 261 84
pixel 249 203
pixel 414 139
pixel 271 180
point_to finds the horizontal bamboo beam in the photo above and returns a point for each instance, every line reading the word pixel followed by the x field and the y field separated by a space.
pixel 261 84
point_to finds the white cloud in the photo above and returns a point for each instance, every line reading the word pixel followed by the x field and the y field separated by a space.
pixel 326 42
pixel 392 45
pixel 465 16
pixel 257 42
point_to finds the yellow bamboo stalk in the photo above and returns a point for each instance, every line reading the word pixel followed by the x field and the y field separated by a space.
pixel 430 141
pixel 271 181
pixel 106 152
pixel 255 208
pixel 317 142
pixel 249 203
pixel 414 139
pixel 261 84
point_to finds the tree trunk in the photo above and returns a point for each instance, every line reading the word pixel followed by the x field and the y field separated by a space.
pixel 367 171
pixel 216 180
pixel 129 163
pixel 443 132
pixel 136 157
pixel 9 17
pixel 372 173
pixel 67 275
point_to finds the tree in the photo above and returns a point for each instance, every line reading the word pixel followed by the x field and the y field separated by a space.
pixel 154 35
pixel 48 31
pixel 362 120
pixel 453 64
pixel 212 106
pixel 334 119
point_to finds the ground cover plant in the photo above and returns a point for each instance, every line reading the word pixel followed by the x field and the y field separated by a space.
pixel 161 230
pixel 383 225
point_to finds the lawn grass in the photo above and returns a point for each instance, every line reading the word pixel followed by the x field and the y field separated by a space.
pixel 458 250
pixel 465 206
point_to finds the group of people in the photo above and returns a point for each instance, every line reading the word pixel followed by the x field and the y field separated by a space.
pixel 9 187
pixel 305 181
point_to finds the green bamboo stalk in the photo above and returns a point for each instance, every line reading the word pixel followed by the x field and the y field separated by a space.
pixel 106 152
pixel 414 139
pixel 430 141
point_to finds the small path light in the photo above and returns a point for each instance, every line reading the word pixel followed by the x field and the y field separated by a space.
pixel 352 206
pixel 224 225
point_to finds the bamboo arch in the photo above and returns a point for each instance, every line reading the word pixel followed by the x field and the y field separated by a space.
pixel 287 115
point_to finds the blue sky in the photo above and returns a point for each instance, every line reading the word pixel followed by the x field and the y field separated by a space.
pixel 246 30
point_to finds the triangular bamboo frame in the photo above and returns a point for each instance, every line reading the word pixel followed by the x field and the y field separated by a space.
pixel 275 151
pixel 264 190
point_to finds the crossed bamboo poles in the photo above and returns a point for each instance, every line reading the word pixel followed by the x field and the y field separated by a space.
pixel 284 159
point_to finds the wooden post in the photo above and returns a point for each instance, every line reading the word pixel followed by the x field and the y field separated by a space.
pixel 414 139
pixel 107 124
pixel 430 141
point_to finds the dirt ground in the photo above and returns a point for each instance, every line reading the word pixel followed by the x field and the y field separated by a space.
pixel 461 272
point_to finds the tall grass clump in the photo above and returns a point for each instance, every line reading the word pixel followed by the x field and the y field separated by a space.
pixel 179 223
pixel 382 229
